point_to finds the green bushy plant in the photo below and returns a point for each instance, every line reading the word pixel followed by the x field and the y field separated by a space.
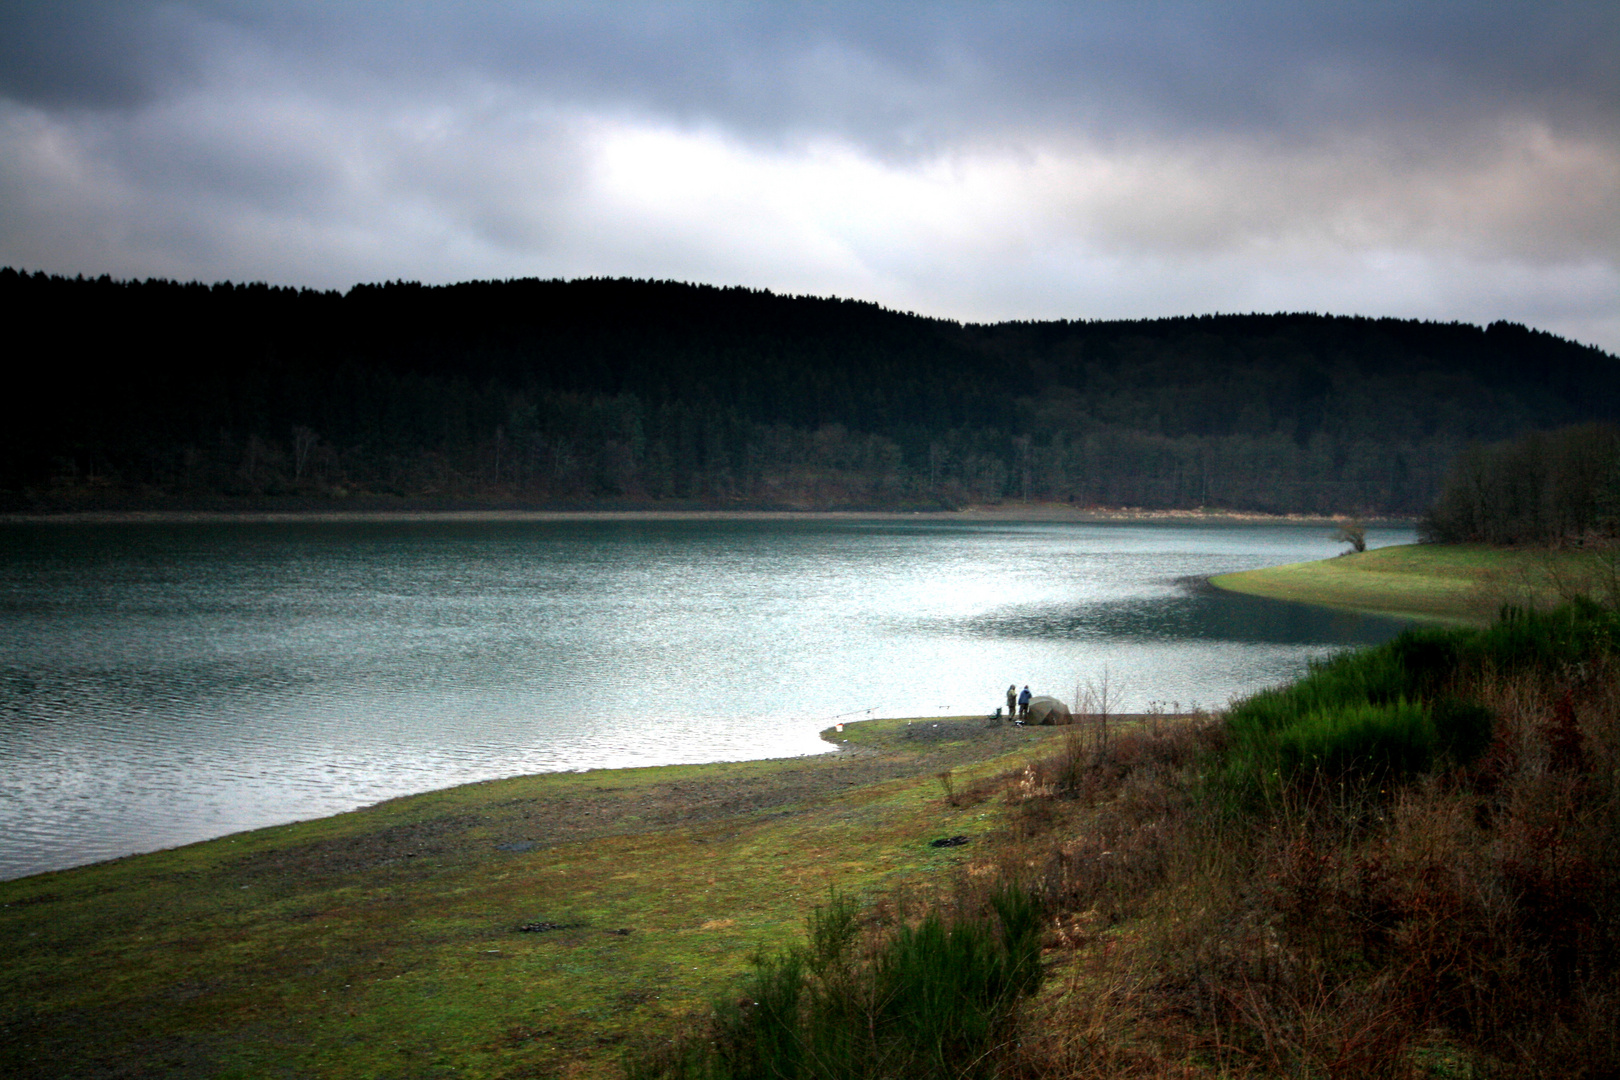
pixel 930 999
pixel 1377 740
pixel 1393 710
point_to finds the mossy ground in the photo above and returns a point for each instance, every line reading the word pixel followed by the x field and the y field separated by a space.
pixel 1456 583
pixel 386 942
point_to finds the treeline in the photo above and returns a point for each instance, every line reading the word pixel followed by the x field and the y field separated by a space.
pixel 1544 488
pixel 598 392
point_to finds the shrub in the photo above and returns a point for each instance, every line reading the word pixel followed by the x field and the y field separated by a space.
pixel 1399 709
pixel 1373 741
pixel 930 999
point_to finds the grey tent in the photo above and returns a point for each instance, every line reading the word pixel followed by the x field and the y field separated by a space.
pixel 1048 710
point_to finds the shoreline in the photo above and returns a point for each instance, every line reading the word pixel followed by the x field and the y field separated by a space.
pixel 1037 513
pixel 853 743
pixel 533 924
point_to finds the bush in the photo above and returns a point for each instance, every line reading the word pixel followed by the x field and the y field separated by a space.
pixel 932 999
pixel 1376 741
pixel 1399 709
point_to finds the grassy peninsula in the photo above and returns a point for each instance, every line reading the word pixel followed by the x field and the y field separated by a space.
pixel 1447 583
pixel 1528 523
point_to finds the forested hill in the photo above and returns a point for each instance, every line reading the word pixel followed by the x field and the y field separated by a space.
pixel 617 392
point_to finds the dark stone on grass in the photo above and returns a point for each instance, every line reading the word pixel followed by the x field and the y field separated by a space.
pixel 950 841
pixel 517 845
pixel 622 932
pixel 943 730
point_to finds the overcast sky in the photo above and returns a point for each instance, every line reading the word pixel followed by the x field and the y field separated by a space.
pixel 975 161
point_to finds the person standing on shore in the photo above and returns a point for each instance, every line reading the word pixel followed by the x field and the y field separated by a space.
pixel 1023 704
pixel 1012 701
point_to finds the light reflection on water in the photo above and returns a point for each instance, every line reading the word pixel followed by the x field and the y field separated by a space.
pixel 163 684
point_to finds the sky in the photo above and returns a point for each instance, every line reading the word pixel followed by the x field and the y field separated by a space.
pixel 974 161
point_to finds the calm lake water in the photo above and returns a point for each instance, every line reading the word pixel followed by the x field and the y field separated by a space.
pixel 161 684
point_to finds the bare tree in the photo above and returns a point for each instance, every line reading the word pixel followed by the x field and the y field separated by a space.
pixel 303 441
pixel 1022 445
pixel 256 454
pixel 1095 700
pixel 1354 533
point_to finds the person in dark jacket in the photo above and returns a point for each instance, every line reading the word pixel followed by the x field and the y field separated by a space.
pixel 1023 704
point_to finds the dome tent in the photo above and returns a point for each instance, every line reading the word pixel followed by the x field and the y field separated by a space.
pixel 1048 710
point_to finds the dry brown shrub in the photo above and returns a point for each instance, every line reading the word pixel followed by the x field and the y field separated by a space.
pixel 1137 791
pixel 1097 1023
pixel 1477 910
pixel 981 789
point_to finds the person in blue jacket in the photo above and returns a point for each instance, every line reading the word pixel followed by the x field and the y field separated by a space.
pixel 1023 704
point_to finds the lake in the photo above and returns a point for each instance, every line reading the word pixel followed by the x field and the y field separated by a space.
pixel 165 683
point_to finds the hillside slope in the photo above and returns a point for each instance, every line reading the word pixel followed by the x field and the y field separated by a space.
pixel 597 392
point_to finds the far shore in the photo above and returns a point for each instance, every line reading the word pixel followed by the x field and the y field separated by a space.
pixel 1020 512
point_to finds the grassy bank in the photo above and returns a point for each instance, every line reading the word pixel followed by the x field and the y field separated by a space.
pixel 392 942
pixel 1455 583
pixel 1403 865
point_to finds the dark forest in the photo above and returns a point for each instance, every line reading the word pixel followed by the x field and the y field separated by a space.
pixel 621 393
pixel 1543 489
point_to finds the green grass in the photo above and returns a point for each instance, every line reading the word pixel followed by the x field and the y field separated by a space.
pixel 1448 583
pixel 385 942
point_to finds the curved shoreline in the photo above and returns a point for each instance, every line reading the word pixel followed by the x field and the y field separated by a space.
pixel 860 741
pixel 1464 584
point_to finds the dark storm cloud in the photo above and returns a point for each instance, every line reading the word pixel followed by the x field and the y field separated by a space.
pixel 94 55
pixel 883 73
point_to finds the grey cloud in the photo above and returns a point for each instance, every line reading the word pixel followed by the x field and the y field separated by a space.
pixel 284 187
pixel 1271 66
pixel 890 75
pixel 1208 155
pixel 99 55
